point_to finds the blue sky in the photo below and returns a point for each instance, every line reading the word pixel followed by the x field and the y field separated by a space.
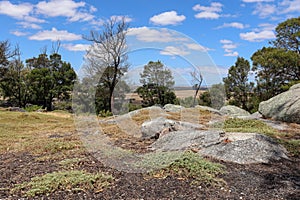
pixel 217 31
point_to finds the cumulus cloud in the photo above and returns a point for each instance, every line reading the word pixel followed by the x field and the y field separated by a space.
pixel 55 35
pixel 233 25
pixel 229 47
pixel 208 12
pixel 146 34
pixel 16 11
pixel 196 47
pixel 66 8
pixel 174 51
pixel 290 6
pixel 264 10
pixel 18 33
pixel 257 36
pixel 167 18
pixel 76 47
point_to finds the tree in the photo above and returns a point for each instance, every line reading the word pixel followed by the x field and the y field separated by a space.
pixel 198 78
pixel 288 35
pixel 107 57
pixel 50 78
pixel 237 85
pixel 214 97
pixel 275 68
pixel 157 82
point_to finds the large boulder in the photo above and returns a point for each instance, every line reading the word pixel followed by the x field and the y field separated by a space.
pixel 233 111
pixel 163 126
pixel 283 107
pixel 246 148
pixel 188 139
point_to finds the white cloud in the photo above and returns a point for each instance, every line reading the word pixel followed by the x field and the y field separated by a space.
pixel 167 18
pixel 29 25
pixel 16 11
pixel 174 51
pixel 208 12
pixel 76 47
pixel 18 33
pixel 229 47
pixel 146 34
pixel 257 1
pixel 54 35
pixel 232 54
pixel 290 6
pixel 233 25
pixel 65 8
pixel 264 10
pixel 196 47
pixel 257 36
pixel 226 41
pixel 127 19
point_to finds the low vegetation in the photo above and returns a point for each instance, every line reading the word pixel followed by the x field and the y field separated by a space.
pixel 73 180
pixel 191 166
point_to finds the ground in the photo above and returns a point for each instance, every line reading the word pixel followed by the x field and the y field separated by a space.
pixel 35 144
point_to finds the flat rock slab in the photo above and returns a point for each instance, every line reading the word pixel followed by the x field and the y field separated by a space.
pixel 246 148
pixel 162 125
pixel 182 140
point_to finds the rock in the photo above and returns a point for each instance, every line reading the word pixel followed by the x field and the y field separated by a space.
pixel 255 115
pixel 162 125
pixel 283 107
pixel 206 108
pixel 173 108
pixel 233 111
pixel 16 109
pixel 246 148
pixel 187 139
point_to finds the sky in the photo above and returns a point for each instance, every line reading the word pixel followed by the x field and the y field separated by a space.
pixel 209 35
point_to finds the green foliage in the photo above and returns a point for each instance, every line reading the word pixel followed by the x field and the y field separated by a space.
pixel 132 107
pixel 104 113
pixel 274 69
pixel 214 97
pixel 157 81
pixel 248 126
pixel 288 35
pixel 236 84
pixel 187 102
pixel 64 180
pixel 192 166
pixel 205 99
pixel 49 78
pixel 156 73
pixel 32 108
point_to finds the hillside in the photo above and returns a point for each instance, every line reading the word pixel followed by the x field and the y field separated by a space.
pixel 42 156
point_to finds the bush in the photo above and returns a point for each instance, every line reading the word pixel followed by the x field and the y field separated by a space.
pixel 104 113
pixel 33 108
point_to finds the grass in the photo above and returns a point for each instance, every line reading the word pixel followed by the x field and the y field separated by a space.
pixel 31 132
pixel 192 166
pixel 64 180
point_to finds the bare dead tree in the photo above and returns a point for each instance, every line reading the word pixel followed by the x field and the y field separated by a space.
pixel 107 57
pixel 197 80
pixel 56 46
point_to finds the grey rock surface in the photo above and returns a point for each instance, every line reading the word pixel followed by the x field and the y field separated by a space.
pixel 173 108
pixel 246 148
pixel 182 140
pixel 283 107
pixel 233 111
pixel 161 124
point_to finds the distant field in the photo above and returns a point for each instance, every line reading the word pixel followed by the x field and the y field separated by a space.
pixel 179 93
